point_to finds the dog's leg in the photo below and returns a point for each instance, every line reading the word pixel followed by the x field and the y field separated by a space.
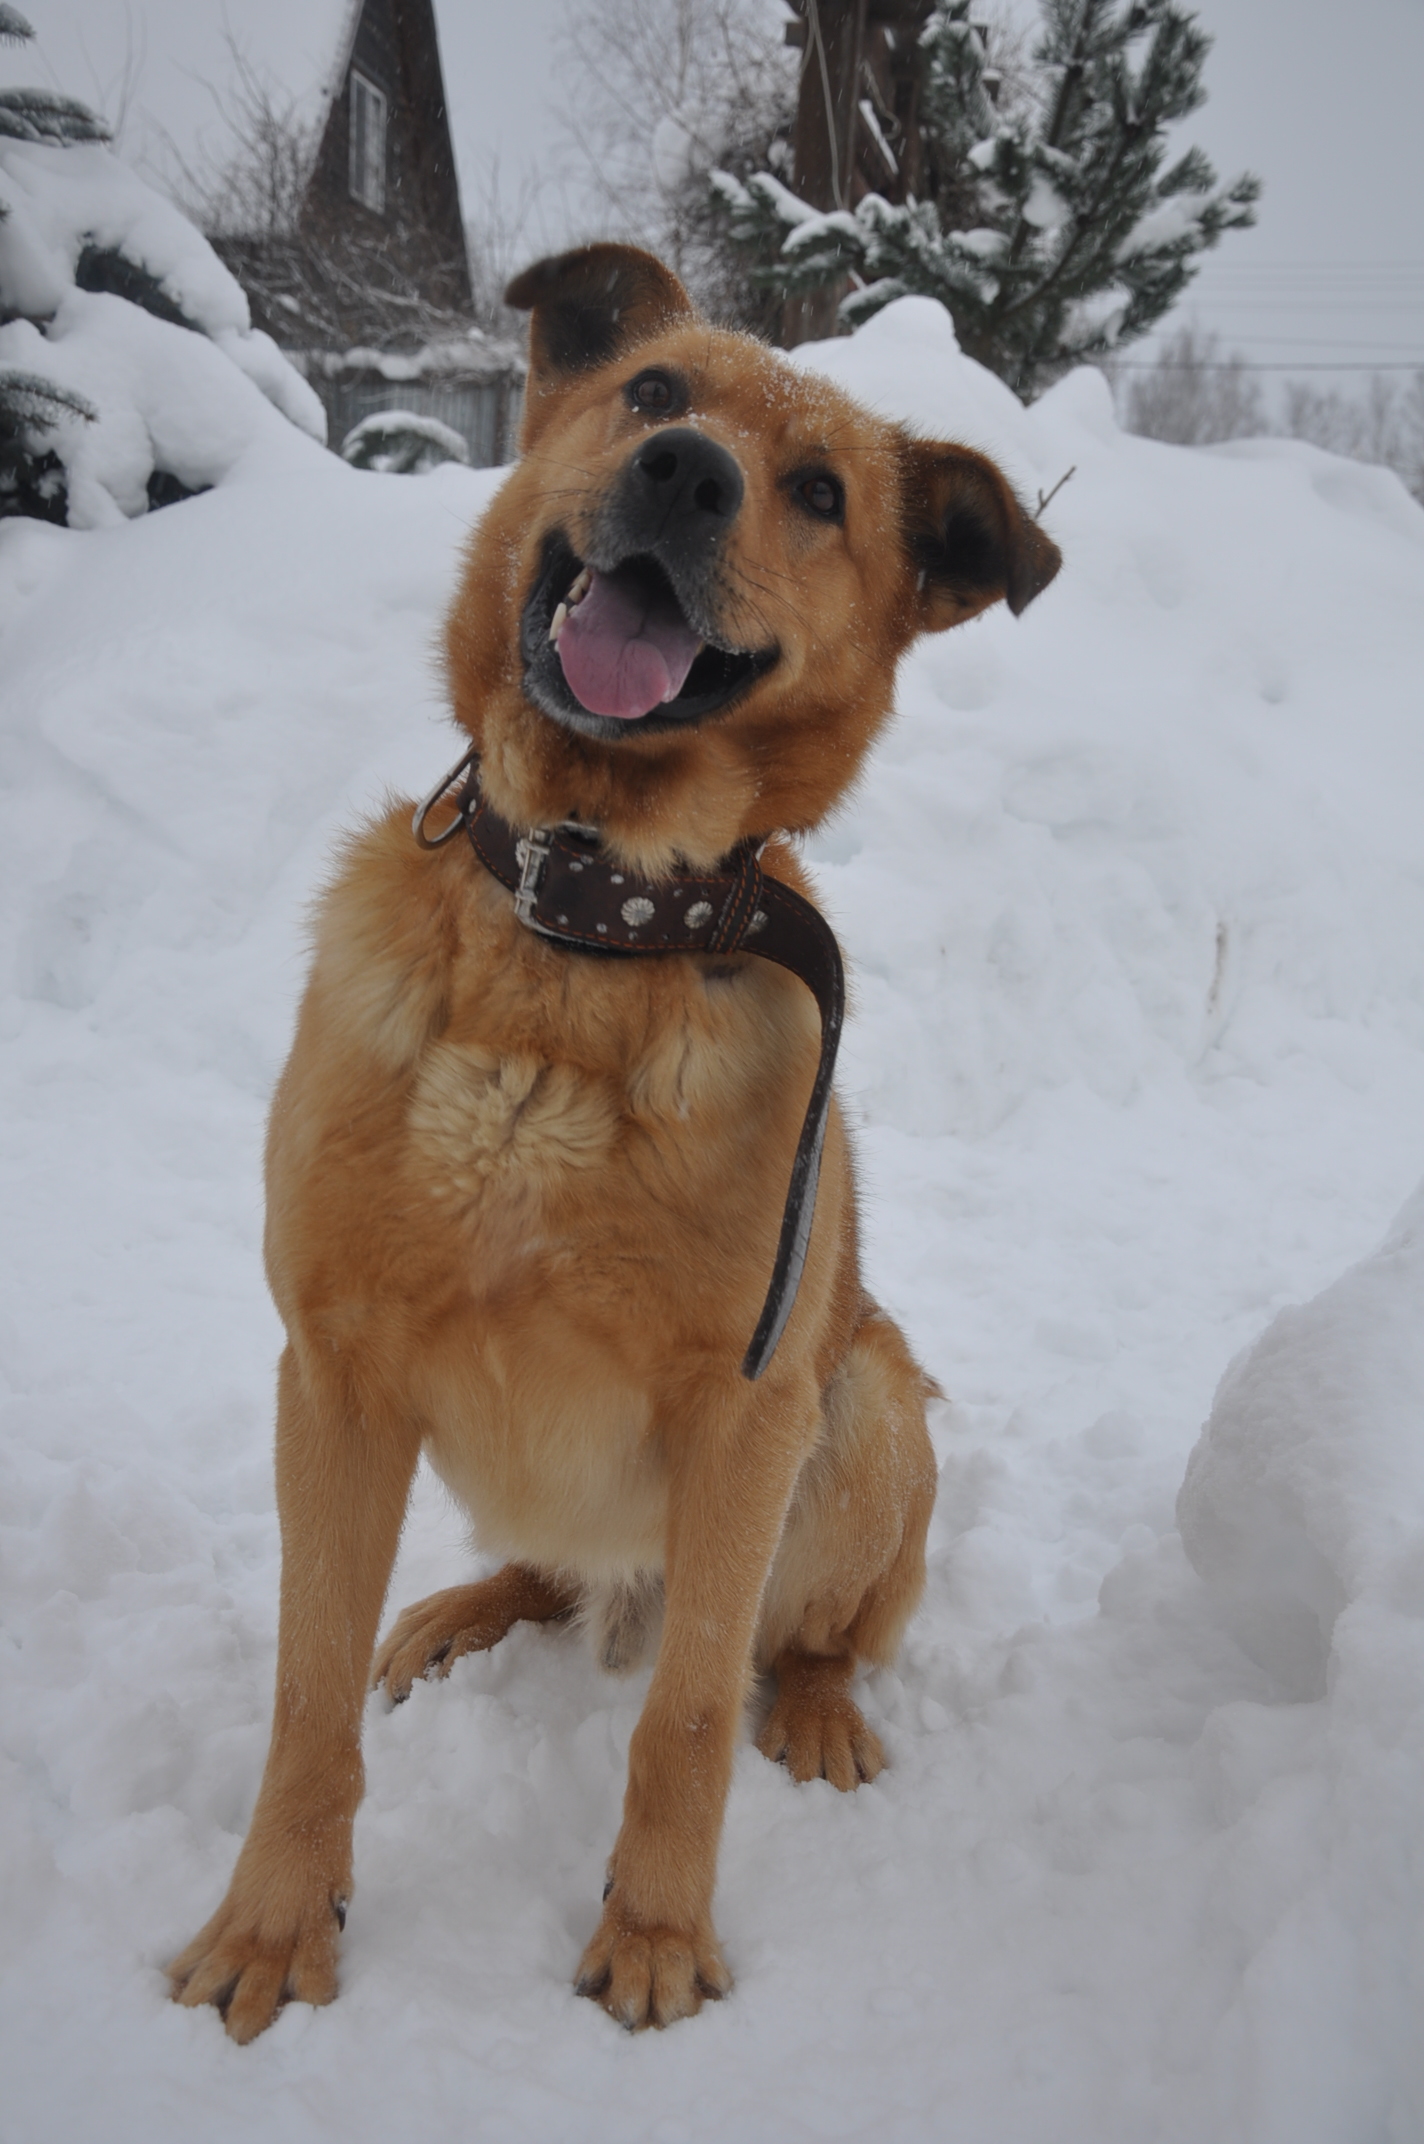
pixel 344 1469
pixel 734 1456
pixel 851 1564
pixel 430 1636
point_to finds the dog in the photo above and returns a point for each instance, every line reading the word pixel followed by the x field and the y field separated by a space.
pixel 523 1201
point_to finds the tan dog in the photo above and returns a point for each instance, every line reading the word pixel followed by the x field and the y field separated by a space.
pixel 523 1202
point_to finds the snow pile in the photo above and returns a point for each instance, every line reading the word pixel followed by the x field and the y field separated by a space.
pixel 1133 903
pixel 1072 840
pixel 157 342
pixel 1306 1491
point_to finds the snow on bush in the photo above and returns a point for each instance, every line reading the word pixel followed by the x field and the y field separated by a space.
pixel 397 442
pixel 112 295
pixel 1306 1490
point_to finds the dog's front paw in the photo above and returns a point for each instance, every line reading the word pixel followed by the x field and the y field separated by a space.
pixel 431 1636
pixel 650 1976
pixel 251 1960
pixel 817 1731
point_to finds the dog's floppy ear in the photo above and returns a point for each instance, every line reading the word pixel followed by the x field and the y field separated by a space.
pixel 588 306
pixel 970 540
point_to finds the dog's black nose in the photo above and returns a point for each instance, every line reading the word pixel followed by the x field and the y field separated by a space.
pixel 687 474
pixel 681 491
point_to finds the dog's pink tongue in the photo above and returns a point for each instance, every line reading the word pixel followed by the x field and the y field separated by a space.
pixel 624 651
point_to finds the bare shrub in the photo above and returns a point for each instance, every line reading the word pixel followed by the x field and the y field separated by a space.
pixel 1385 424
pixel 660 92
pixel 1191 395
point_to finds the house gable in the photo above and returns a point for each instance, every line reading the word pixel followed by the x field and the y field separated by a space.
pixel 414 210
pixel 368 291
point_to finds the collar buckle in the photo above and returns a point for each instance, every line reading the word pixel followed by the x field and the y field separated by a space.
pixel 531 852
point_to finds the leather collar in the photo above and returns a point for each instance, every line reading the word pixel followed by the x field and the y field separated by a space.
pixel 567 890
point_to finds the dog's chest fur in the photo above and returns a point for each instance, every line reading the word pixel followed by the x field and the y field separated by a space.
pixel 566 1135
pixel 564 1185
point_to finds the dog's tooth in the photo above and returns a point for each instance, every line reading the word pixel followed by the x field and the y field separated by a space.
pixel 559 620
pixel 580 588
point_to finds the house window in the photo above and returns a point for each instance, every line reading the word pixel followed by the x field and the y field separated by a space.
pixel 368 143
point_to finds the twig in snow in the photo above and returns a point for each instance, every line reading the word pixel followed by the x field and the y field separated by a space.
pixel 1046 498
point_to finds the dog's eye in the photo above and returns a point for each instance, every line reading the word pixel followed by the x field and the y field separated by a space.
pixel 824 496
pixel 653 392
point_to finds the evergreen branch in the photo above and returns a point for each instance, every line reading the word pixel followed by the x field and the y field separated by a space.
pixel 30 403
pixel 42 115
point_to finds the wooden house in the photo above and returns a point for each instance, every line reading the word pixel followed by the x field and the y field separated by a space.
pixel 367 286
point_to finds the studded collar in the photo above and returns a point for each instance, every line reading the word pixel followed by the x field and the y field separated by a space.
pixel 568 891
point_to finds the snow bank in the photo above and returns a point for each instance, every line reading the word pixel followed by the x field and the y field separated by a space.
pixel 1132 898
pixel 1306 1490
pixel 1071 839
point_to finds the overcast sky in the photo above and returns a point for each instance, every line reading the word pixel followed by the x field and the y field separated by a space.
pixel 1323 101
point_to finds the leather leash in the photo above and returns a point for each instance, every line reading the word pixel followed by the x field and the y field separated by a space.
pixel 565 889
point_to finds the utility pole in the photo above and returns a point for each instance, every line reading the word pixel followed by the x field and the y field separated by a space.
pixel 857 120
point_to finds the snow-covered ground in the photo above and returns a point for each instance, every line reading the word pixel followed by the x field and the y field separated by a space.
pixel 1135 902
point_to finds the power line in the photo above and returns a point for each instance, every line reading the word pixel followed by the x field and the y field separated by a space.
pixel 1315 268
pixel 1226 364
pixel 1336 342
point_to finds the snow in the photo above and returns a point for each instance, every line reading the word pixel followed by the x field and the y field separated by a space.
pixel 1044 207
pixel 1135 909
pixel 784 204
pixel 187 403
pixel 1306 1490
pixel 876 132
pixel 983 243
pixel 1165 224
pixel 166 399
pixel 475 352
pixel 1100 315
pixel 675 152
pixel 58 201
pixel 813 230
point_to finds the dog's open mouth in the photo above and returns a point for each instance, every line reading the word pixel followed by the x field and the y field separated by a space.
pixel 613 652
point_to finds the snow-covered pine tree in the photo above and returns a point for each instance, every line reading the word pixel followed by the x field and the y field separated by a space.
pixel 1050 231
pixel 128 362
pixel 31 473
pixel 32 478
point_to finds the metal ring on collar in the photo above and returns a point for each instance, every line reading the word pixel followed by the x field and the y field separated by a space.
pixel 423 810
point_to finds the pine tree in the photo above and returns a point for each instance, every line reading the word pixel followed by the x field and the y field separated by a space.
pixel 39 114
pixel 1051 232
pixel 32 478
pixel 56 242
pixel 44 115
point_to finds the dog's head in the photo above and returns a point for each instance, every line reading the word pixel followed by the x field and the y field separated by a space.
pixel 680 618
